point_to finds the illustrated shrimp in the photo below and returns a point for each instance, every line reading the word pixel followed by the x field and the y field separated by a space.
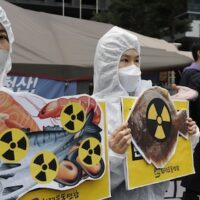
pixel 53 109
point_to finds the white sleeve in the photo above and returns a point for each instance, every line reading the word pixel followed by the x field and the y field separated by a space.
pixel 115 159
pixel 195 138
pixel 116 169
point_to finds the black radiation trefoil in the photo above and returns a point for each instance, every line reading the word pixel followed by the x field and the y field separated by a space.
pixel 14 145
pixel 90 152
pixel 44 167
pixel 73 117
pixel 158 120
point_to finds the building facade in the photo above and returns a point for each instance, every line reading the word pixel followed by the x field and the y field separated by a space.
pixel 192 13
pixel 84 9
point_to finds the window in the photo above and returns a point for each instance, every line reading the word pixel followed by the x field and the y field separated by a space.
pixel 66 1
pixel 89 2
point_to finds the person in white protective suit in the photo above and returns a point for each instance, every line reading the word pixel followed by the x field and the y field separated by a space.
pixel 117 73
pixel 6 41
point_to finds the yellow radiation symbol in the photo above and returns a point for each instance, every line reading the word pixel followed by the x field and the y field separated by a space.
pixel 90 152
pixel 158 119
pixel 44 167
pixel 14 145
pixel 73 117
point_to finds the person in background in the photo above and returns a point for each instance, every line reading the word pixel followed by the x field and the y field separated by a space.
pixel 117 73
pixel 191 79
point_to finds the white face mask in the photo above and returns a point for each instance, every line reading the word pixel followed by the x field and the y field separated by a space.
pixel 3 59
pixel 129 77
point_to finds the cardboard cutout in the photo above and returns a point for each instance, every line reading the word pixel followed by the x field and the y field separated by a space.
pixel 151 106
pixel 154 124
pixel 56 144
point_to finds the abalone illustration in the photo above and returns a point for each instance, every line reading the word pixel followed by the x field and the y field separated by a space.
pixel 155 125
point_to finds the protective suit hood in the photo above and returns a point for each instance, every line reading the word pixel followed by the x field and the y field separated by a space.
pixel 6 24
pixel 107 57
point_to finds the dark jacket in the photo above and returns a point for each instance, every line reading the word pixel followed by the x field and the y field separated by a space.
pixel 191 78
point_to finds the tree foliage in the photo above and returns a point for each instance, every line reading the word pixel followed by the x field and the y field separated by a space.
pixel 149 17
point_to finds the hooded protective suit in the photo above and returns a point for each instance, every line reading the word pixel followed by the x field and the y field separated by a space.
pixel 5 67
pixel 108 87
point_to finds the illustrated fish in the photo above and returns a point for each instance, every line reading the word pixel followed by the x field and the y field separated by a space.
pixel 155 125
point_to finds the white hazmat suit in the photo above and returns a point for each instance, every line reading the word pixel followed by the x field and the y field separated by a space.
pixel 108 87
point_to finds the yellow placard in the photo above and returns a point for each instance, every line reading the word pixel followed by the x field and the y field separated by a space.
pixel 90 190
pixel 140 173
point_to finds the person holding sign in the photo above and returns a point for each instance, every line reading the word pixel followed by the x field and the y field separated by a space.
pixel 117 73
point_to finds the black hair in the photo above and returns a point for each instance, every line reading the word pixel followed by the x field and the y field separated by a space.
pixel 195 48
